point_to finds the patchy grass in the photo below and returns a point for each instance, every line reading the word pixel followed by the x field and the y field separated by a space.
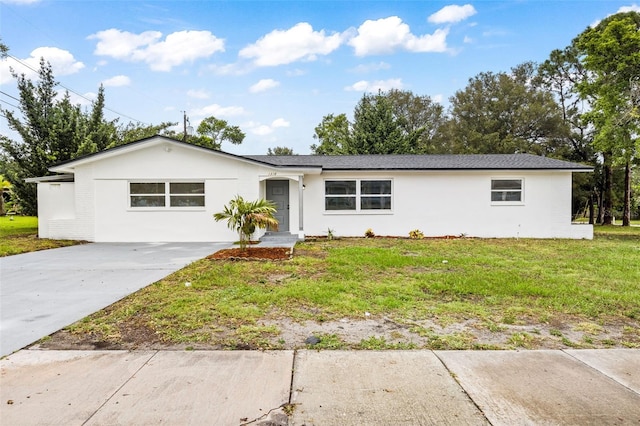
pixel 19 234
pixel 498 293
pixel 609 231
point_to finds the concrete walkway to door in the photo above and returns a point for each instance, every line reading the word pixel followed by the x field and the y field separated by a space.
pixel 42 292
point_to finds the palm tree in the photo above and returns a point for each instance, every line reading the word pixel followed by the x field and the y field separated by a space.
pixel 245 216
pixel 5 186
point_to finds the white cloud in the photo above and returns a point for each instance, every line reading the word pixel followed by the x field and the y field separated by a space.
pixel 80 100
pixel 266 129
pixel 623 9
pixel 452 14
pixel 263 85
pixel 20 2
pixel 374 86
pixel 230 69
pixel 296 73
pixel 198 94
pixel 117 81
pixel 62 63
pixel 437 98
pixel 387 35
pixel 280 122
pixel 467 39
pixel 218 111
pixel 161 55
pixel 298 43
pixel 633 8
pixel 365 68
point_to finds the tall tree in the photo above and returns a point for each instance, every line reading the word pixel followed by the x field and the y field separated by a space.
pixel 132 132
pixel 280 150
pixel 421 120
pixel 560 75
pixel 51 130
pixel 502 113
pixel 333 135
pixel 213 131
pixel 610 51
pixel 376 129
pixel 4 49
pixel 100 134
pixel 393 122
pixel 33 154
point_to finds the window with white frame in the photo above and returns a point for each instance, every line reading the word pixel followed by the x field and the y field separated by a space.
pixel 506 190
pixel 358 195
pixel 166 194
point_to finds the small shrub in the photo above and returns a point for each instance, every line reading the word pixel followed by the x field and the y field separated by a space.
pixel 330 234
pixel 369 233
pixel 416 234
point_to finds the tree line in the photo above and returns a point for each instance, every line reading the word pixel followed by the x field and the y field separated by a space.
pixel 52 130
pixel 581 104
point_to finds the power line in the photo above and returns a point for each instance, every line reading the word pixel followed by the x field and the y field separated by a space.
pixel 10 104
pixel 8 95
pixel 74 92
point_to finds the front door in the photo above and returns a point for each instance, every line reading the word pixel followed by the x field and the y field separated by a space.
pixel 278 192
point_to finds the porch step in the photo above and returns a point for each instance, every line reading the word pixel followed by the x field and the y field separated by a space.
pixel 279 238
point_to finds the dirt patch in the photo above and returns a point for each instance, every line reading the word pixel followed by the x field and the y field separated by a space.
pixel 253 253
pixel 381 331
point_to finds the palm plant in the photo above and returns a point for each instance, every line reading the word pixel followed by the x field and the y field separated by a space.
pixel 245 216
pixel 5 186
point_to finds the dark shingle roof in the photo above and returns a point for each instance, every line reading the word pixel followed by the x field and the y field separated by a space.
pixel 421 162
pixel 380 162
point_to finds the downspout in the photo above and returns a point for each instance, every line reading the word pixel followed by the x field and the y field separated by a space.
pixel 301 205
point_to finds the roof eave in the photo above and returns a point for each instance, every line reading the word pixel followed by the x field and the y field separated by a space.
pixel 453 169
pixel 66 177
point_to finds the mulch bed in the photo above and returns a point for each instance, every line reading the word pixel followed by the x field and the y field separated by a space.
pixel 253 253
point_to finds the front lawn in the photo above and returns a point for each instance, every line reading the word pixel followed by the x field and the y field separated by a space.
pixel 19 234
pixel 389 293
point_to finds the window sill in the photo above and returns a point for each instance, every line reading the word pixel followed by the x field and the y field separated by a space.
pixel 357 212
pixel 507 203
pixel 166 209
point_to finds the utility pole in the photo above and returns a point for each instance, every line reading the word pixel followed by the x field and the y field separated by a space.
pixel 185 119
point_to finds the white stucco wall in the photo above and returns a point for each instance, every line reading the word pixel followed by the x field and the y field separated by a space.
pixel 99 208
pixel 96 207
pixel 56 202
pixel 452 203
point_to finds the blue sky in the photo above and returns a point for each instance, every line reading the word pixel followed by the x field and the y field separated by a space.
pixel 275 68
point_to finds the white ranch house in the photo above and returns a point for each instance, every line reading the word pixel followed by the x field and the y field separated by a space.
pixel 160 190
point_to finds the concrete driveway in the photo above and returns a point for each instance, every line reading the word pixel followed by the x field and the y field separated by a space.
pixel 43 291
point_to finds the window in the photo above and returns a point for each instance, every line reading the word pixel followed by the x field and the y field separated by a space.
pixel 163 194
pixel 148 194
pixel 375 195
pixel 357 195
pixel 189 194
pixel 340 195
pixel 506 190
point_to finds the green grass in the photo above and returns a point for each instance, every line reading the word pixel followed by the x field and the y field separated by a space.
pixel 498 282
pixel 19 234
pixel 18 225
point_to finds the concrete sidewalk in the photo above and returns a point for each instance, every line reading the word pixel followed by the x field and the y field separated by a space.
pixel 569 387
